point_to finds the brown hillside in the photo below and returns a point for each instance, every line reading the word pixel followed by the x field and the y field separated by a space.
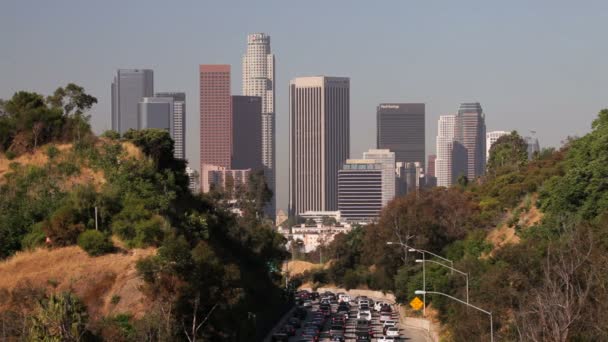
pixel 504 234
pixel 94 279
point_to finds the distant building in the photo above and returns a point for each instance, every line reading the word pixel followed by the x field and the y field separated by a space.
pixel 491 138
pixel 259 80
pixel 223 179
pixel 387 159
pixel 470 132
pixel 318 216
pixel 313 237
pixel 178 132
pixel 128 89
pixel 445 139
pixel 360 189
pixel 215 121
pixel 319 141
pixel 429 179
pixel 247 132
pixel 156 112
pixel 400 128
pixel 533 146
pixel 193 180
pixel 409 177
pixel 281 218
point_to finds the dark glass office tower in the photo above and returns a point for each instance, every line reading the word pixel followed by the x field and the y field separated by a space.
pixel 128 89
pixel 400 128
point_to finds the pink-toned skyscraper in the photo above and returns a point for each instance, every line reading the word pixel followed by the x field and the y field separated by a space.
pixel 216 119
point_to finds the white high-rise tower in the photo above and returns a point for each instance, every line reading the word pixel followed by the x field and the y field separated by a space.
pixel 258 80
pixel 445 141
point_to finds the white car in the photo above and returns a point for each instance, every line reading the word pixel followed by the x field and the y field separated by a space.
pixel 364 315
pixel 392 331
pixel 388 324
pixel 386 339
pixel 307 304
pixel 363 302
pixel 385 316
pixel 344 298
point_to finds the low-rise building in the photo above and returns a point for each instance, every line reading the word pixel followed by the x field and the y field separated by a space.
pixel 311 237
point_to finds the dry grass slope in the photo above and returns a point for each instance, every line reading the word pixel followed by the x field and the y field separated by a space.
pixel 94 279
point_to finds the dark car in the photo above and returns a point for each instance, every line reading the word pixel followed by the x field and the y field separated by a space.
pixel 295 322
pixel 362 336
pixel 280 337
pixel 336 330
pixel 289 329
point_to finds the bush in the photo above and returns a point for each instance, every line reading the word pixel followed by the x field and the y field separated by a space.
pixel 95 242
pixel 10 155
pixel 34 238
pixel 52 152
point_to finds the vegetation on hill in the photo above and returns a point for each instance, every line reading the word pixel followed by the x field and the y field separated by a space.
pixel 549 285
pixel 214 276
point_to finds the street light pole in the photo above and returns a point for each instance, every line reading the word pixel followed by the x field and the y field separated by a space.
pixel 423 286
pixel 466 275
pixel 465 303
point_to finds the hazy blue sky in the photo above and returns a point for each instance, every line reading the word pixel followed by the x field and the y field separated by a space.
pixel 538 65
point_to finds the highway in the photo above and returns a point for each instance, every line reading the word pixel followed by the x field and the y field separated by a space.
pixel 405 333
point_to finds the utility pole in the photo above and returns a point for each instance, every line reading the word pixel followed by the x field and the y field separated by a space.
pixel 96 228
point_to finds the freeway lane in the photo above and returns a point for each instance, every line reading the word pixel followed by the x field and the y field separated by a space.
pixel 405 334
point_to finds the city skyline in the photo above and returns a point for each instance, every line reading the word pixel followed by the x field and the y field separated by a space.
pixel 517 84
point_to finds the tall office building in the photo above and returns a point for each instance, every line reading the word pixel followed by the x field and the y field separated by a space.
pixel 179 122
pixel 470 131
pixel 215 119
pixel 387 159
pixel 409 177
pixel 491 138
pixel 319 137
pixel 533 146
pixel 258 80
pixel 128 88
pixel 430 180
pixel 444 143
pixel 156 112
pixel 247 132
pixel 400 128
pixel 361 194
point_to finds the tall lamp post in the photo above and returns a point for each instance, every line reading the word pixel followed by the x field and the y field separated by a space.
pixel 418 292
pixel 466 275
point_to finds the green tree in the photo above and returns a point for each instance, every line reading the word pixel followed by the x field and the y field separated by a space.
pixel 95 243
pixel 61 317
pixel 509 152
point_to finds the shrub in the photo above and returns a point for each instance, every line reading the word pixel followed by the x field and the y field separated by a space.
pixel 10 155
pixel 34 238
pixel 94 242
pixel 52 152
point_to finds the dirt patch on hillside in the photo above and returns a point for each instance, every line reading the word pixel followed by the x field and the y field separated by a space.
pixel 96 280
pixel 297 267
pixel 506 234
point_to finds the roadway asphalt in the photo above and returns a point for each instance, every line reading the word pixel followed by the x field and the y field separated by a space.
pixel 405 333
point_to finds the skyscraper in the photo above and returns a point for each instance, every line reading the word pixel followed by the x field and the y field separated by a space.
pixel 319 136
pixel 387 159
pixel 128 88
pixel 533 146
pixel 156 112
pixel 179 121
pixel 430 179
pixel 215 120
pixel 361 189
pixel 491 138
pixel 258 80
pixel 400 128
pixel 470 131
pixel 247 132
pixel 445 138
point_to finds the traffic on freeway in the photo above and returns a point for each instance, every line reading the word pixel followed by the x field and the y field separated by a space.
pixel 332 316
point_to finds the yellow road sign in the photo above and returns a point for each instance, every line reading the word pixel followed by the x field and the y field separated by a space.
pixel 416 303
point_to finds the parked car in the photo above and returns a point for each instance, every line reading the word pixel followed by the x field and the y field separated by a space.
pixel 389 323
pixel 386 339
